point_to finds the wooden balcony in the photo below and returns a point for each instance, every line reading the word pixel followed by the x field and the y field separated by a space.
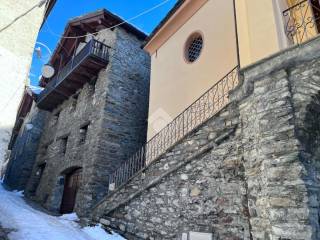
pixel 79 70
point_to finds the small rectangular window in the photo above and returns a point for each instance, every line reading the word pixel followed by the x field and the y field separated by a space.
pixel 74 101
pixel 92 85
pixel 55 118
pixel 40 170
pixel 83 134
pixel 44 150
pixel 64 143
pixel 57 115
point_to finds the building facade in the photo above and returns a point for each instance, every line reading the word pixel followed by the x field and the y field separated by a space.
pixel 16 52
pixel 249 172
pixel 98 106
pixel 231 151
pixel 207 30
pixel 229 156
pixel 24 142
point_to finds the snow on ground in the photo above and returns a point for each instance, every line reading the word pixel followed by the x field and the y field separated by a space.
pixel 32 224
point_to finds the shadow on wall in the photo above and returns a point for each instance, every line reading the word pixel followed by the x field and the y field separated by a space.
pixel 22 157
pixel 62 196
pixel 310 138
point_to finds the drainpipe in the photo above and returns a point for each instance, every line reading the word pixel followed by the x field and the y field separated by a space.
pixel 236 32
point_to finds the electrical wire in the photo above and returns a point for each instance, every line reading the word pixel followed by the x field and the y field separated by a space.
pixel 116 25
pixel 39 4
pixel 105 29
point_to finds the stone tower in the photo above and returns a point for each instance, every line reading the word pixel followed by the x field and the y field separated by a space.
pixel 98 112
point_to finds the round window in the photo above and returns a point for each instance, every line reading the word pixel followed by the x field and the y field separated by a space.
pixel 193 47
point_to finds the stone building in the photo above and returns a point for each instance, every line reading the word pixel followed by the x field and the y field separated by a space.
pixel 17 41
pixel 98 107
pixel 238 158
pixel 24 142
pixel 207 28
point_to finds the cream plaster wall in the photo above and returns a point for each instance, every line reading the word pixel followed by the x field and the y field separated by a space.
pixel 16 49
pixel 261 29
pixel 176 84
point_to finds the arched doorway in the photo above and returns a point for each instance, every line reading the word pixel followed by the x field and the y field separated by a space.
pixel 71 187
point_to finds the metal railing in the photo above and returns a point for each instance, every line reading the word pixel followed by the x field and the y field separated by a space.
pixel 302 21
pixel 197 113
pixel 93 48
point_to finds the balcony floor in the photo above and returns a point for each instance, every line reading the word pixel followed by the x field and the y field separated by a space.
pixel 84 72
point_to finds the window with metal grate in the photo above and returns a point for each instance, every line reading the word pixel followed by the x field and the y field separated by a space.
pixel 194 47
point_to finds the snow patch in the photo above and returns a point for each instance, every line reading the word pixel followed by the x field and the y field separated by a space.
pixel 97 233
pixel 70 217
pixel 31 224
pixel 18 193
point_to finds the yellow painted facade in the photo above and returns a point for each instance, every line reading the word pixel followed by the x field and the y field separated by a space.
pixel 258 35
pixel 262 31
pixel 175 84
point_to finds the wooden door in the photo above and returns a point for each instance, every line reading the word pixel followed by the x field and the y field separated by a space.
pixel 71 186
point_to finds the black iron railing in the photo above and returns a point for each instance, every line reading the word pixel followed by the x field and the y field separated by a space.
pixel 302 21
pixel 197 113
pixel 93 48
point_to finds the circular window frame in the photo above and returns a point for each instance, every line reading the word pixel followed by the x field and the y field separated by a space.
pixel 187 45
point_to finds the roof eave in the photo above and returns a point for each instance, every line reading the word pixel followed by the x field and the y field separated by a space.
pixel 164 21
pixel 175 19
pixel 49 6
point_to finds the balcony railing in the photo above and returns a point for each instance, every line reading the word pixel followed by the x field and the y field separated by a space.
pixel 197 113
pixel 302 21
pixel 93 48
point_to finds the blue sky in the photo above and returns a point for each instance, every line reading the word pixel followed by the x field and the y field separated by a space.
pixel 66 9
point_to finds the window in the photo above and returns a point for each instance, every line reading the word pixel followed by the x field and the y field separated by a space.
pixel 40 170
pixel 83 134
pixel 92 85
pixel 74 102
pixel 55 118
pixel 44 150
pixel 57 115
pixel 64 142
pixel 193 47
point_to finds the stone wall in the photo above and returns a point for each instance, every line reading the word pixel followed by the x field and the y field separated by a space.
pixel 103 106
pixel 250 172
pixel 278 107
pixel 196 186
pixel 125 109
pixel 16 49
pixel 24 151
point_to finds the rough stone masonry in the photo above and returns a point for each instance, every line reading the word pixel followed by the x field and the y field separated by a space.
pixel 112 111
pixel 250 172
pixel 24 150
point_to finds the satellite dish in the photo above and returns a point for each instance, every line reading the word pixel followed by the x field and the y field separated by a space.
pixel 47 71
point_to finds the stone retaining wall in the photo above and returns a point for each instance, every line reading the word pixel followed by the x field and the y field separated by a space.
pixel 198 185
